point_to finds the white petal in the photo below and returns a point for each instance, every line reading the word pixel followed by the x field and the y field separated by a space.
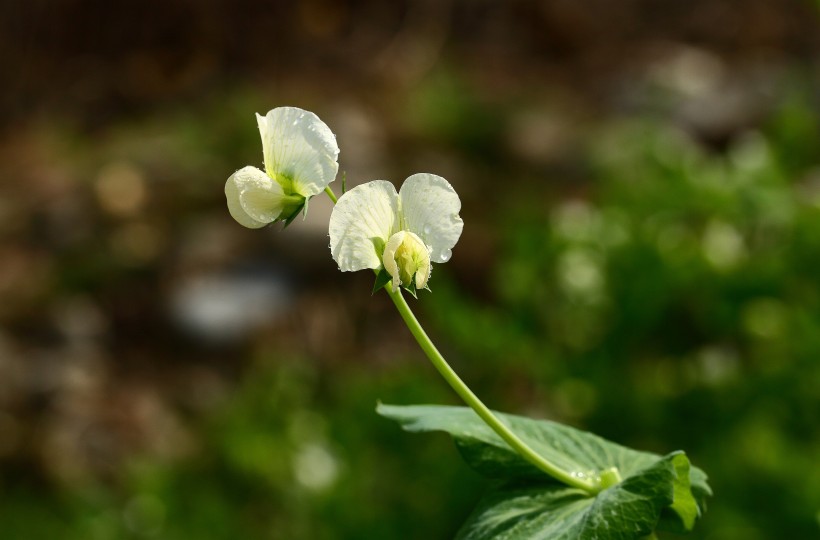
pixel 423 273
pixel 389 258
pixel 429 208
pixel 262 122
pixel 300 148
pixel 361 223
pixel 254 200
pixel 235 208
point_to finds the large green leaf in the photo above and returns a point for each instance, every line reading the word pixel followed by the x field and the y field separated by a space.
pixel 656 492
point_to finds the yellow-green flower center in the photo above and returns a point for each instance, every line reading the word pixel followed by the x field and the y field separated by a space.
pixel 407 260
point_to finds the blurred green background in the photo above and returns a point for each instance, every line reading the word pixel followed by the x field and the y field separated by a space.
pixel 641 195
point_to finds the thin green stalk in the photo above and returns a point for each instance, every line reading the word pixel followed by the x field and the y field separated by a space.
pixel 590 485
pixel 587 484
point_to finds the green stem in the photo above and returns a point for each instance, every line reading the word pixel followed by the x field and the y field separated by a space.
pixel 590 485
pixel 586 484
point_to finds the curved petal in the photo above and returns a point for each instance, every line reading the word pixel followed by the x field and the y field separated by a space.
pixel 235 208
pixel 389 258
pixel 423 272
pixel 300 150
pixel 429 208
pixel 361 223
pixel 407 258
pixel 254 200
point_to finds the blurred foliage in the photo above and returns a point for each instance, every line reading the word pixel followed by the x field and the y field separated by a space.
pixel 669 301
pixel 641 191
pixel 678 306
pixel 274 462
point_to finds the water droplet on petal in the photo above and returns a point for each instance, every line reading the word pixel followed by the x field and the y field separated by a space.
pixel 446 254
pixel 428 229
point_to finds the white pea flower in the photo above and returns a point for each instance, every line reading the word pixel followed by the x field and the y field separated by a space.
pixel 374 227
pixel 300 154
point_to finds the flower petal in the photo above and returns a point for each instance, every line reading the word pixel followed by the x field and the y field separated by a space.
pixel 423 272
pixel 429 208
pixel 389 258
pixel 361 223
pixel 407 258
pixel 299 150
pixel 254 200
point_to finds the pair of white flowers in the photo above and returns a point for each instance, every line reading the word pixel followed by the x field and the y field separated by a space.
pixel 372 226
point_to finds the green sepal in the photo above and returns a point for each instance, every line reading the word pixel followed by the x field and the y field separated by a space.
pixel 411 288
pixel 382 279
pixel 288 220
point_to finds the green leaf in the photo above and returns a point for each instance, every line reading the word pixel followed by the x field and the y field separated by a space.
pixel 656 492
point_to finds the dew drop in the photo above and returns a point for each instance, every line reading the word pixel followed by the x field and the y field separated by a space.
pixel 446 254
pixel 428 229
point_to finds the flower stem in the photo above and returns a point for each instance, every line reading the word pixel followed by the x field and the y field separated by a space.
pixel 331 195
pixel 586 484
